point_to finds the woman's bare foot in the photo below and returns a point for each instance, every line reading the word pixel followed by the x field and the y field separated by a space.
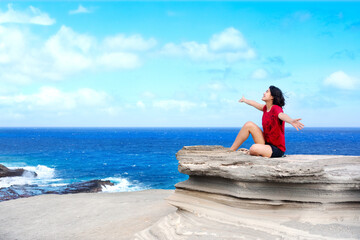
pixel 244 150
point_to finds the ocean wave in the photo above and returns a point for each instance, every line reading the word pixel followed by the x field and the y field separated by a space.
pixel 44 176
pixel 43 172
pixel 122 185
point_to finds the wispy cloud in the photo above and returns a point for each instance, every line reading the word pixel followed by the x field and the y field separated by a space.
pixel 118 60
pixel 80 9
pixel 259 74
pixel 30 16
pixel 52 106
pixel 296 18
pixel 269 73
pixel 216 86
pixel 140 104
pixel 353 26
pixel 341 80
pixel 122 42
pixel 24 58
pixel 275 60
pixel 344 54
pixel 51 99
pixel 181 105
pixel 302 16
pixel 229 45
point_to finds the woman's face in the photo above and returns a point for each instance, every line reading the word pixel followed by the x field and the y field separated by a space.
pixel 267 96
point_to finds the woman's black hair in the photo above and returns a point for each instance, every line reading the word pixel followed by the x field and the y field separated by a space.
pixel 278 96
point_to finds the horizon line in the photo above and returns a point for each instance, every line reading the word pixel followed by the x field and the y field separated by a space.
pixel 2 127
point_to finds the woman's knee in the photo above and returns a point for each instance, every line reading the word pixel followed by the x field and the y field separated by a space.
pixel 249 124
pixel 254 149
pixel 260 150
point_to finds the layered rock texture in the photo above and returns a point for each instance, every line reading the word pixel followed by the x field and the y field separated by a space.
pixel 230 195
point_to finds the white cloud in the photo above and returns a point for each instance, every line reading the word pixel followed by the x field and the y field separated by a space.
pixel 128 43
pixel 112 111
pixel 213 96
pixel 216 86
pixel 12 44
pixel 31 16
pixel 341 80
pixel 228 45
pixel 193 50
pixel 228 40
pixel 119 60
pixel 19 61
pixel 68 50
pixel 50 106
pixel 51 99
pixel 148 94
pixel 269 73
pixel 140 104
pixel 68 39
pixel 259 74
pixel 24 58
pixel 80 9
pixel 91 97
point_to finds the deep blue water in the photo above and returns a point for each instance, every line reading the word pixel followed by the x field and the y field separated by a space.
pixel 137 158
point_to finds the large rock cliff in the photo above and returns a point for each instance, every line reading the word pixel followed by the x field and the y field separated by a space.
pixel 231 195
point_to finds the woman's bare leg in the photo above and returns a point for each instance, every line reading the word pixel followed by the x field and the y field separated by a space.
pixel 246 130
pixel 261 150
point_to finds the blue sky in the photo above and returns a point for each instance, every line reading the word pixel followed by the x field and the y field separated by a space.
pixel 177 64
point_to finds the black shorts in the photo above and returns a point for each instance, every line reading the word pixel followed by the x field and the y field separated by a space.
pixel 276 152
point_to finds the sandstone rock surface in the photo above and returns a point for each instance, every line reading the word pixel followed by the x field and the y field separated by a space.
pixel 230 195
pixel 83 216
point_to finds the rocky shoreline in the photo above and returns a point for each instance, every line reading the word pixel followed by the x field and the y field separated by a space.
pixel 22 191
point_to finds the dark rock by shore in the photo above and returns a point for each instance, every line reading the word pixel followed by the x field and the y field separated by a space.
pixel 22 191
pixel 6 172
pixel 83 187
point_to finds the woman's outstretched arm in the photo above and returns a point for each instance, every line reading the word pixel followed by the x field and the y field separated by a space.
pixel 294 122
pixel 252 103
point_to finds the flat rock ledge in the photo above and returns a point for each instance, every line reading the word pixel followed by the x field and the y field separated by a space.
pixel 231 195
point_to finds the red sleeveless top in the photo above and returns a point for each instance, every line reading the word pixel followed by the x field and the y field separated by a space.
pixel 273 127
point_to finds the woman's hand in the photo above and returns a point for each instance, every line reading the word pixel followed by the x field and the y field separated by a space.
pixel 242 99
pixel 297 124
pixel 252 103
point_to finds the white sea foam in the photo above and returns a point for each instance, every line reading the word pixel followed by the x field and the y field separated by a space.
pixel 9 181
pixel 43 172
pixel 122 185
pixel 58 184
pixel 44 176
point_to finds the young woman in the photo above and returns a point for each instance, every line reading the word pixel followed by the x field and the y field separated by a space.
pixel 271 142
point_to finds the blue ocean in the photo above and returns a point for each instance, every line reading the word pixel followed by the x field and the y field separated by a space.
pixel 135 158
